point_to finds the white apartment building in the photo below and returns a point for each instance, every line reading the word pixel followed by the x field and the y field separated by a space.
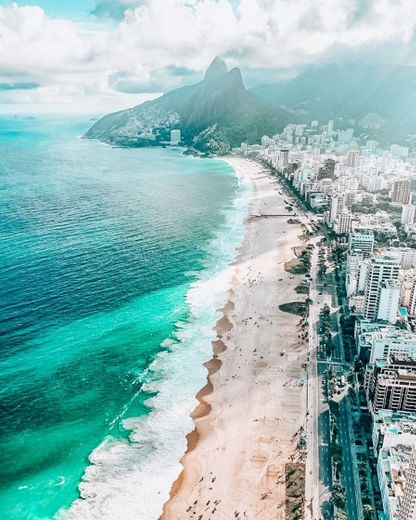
pixel 175 137
pixel 382 268
pixel 389 341
pixel 396 471
pixel 405 255
pixel 412 301
pixel 391 428
pixel 391 465
pixel 407 281
pixel 357 265
pixel 361 240
pixel 408 214
pixel 388 304
pixel 407 508
pixel 343 223
pixel 336 207
pixel 349 198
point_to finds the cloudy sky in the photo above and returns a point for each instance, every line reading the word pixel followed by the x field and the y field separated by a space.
pixel 99 55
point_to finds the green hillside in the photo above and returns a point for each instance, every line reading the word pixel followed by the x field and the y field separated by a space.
pixel 213 115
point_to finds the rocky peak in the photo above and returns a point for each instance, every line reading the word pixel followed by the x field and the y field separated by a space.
pixel 217 70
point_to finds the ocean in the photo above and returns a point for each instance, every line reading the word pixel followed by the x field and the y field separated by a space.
pixel 113 263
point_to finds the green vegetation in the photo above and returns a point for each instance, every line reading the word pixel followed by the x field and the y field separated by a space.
pixel 214 115
pixel 362 208
pixel 321 263
pixel 325 328
pixel 368 511
pixel 338 495
pixel 295 490
pixel 302 263
pixel 298 308
pixel 302 288
pixel 340 514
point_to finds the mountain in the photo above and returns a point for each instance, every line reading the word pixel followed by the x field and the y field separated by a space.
pixel 381 99
pixel 213 115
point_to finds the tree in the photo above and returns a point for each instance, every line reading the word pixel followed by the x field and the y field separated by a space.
pixel 338 495
pixel 333 408
pixel 368 512
pixel 322 271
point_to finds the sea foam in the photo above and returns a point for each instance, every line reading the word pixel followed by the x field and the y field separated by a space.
pixel 131 479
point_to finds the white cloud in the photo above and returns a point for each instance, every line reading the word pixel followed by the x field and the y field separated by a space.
pixel 159 41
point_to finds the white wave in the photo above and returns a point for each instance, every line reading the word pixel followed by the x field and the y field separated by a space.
pixel 131 479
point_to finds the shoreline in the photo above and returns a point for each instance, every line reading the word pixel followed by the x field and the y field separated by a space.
pixel 189 347
pixel 216 427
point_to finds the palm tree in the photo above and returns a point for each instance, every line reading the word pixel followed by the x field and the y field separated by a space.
pixel 368 511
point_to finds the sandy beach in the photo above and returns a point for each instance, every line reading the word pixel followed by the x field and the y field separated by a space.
pixel 250 412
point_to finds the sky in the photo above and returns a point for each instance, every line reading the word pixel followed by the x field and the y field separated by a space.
pixel 96 56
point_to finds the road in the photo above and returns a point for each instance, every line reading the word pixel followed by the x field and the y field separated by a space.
pixel 318 482
pixel 312 491
pixel 318 462
pixel 350 479
pixel 325 463
pixel 318 465
pixel 349 473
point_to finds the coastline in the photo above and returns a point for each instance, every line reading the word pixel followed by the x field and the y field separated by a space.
pixel 251 410
pixel 158 439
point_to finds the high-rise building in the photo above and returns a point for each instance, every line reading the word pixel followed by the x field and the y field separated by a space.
pixel 175 137
pixel 391 384
pixel 266 141
pixel 407 283
pixel 400 192
pixel 299 130
pixel 382 268
pixel 349 198
pixel 405 255
pixel 375 184
pixel 407 509
pixel 412 303
pixel 361 240
pixel 408 214
pixel 388 341
pixel 327 170
pixel 399 151
pixel 353 158
pixel 371 145
pixel 336 206
pixel 386 161
pixel 352 184
pixel 394 438
pixel 343 223
pixel 388 304
pixel 357 264
pixel 284 159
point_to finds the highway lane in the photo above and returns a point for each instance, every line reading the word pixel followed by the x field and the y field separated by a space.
pixel 349 477
pixel 318 464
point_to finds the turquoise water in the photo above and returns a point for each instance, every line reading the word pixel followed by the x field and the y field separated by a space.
pixel 101 253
